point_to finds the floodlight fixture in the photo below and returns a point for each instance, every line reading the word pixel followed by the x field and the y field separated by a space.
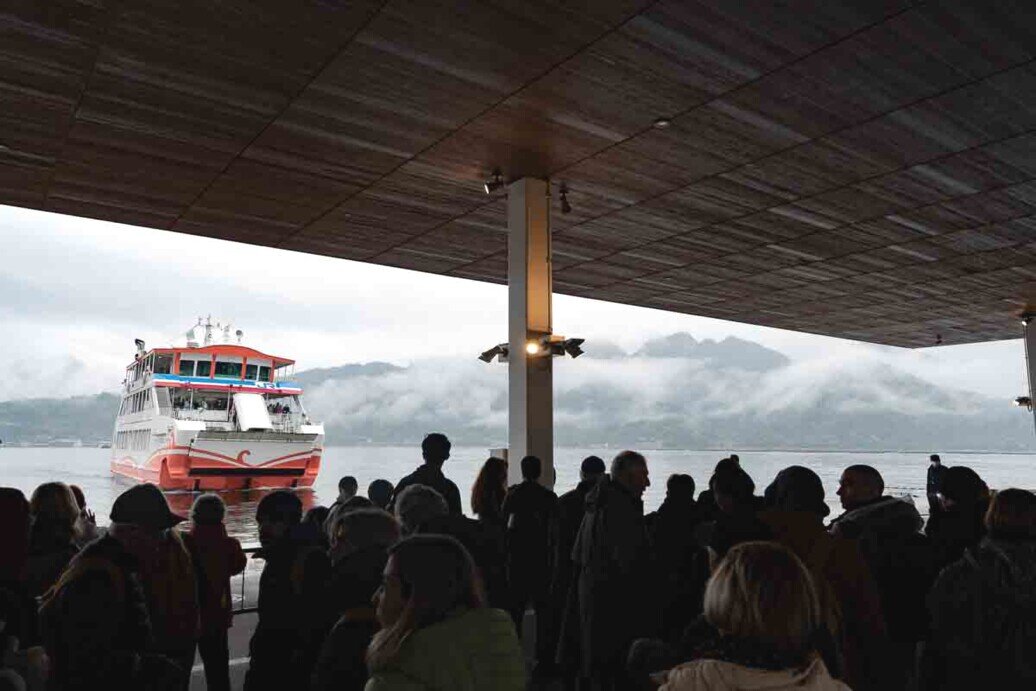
pixel 532 348
pixel 494 183
pixel 1023 402
pixel 497 351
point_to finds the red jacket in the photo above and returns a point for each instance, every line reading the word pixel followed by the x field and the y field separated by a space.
pixel 221 557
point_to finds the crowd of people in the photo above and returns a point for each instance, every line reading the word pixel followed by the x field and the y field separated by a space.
pixel 400 591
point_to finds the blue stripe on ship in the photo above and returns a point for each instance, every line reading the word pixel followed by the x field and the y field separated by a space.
pixel 272 386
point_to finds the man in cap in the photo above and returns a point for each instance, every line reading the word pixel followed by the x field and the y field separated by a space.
pixel 98 618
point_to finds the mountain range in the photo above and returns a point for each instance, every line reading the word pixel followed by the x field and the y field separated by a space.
pixel 673 392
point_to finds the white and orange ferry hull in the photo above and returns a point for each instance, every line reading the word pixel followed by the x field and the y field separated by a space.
pixel 224 466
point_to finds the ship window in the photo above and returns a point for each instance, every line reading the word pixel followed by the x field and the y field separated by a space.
pixel 163 364
pixel 228 370
pixel 251 371
pixel 264 373
pixel 187 368
pixel 204 368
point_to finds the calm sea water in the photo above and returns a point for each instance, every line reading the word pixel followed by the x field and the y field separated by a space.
pixel 904 473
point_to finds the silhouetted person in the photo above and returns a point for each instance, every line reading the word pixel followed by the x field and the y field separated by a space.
pixel 671 528
pixel 707 508
pixel 313 524
pixel 436 450
pixel 380 493
pixel 961 522
pixel 436 631
pixel 359 551
pixel 293 612
pixel 530 512
pixel 347 498
pixel 983 607
pixel 900 558
pixel 97 619
pixel 53 539
pixel 849 601
pixel 220 557
pixel 18 615
pixel 762 613
pixel 489 490
pixel 734 512
pixel 420 509
pixel 614 601
pixel 936 473
pixel 571 509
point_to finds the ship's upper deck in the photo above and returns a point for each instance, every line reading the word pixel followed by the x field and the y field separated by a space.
pixel 220 367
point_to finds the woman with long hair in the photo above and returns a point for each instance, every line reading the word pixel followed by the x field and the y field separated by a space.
pixel 487 494
pixel 436 630
pixel 53 537
pixel 761 601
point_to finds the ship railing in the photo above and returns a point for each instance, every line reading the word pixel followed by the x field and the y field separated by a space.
pixel 244 587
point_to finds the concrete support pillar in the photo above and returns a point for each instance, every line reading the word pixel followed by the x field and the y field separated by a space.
pixel 1029 329
pixel 529 285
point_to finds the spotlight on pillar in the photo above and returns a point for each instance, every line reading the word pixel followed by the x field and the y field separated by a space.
pixel 532 348
pixel 494 183
pixel 497 351
pixel 1023 402
pixel 565 206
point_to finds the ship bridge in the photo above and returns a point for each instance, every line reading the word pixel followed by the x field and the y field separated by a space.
pixel 857 169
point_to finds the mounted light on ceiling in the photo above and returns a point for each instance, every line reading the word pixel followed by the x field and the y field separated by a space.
pixel 661 123
pixel 544 346
pixel 494 183
pixel 1023 402
pixel 565 206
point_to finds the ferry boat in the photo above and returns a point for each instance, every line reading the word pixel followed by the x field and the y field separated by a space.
pixel 214 416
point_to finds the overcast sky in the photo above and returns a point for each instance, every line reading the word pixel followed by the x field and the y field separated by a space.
pixel 74 293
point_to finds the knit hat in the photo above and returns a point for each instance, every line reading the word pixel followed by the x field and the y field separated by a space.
pixel 144 505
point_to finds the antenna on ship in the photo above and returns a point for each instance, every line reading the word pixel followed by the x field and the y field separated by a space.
pixel 192 336
pixel 226 333
pixel 240 334
pixel 208 330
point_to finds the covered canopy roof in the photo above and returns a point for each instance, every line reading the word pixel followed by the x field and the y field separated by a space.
pixel 862 169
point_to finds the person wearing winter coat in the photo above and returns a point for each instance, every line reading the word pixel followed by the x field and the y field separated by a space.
pixel 849 601
pixel 53 538
pixel 220 557
pixel 983 607
pixel 614 599
pixel 964 498
pixel 359 551
pixel 764 609
pixel 293 614
pixel 671 529
pixel 97 619
pixel 900 558
pixel 436 632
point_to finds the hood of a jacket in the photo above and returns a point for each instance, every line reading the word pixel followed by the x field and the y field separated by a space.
pixel 717 675
pixel 471 650
pixel 1006 565
pixel 607 492
pixel 888 516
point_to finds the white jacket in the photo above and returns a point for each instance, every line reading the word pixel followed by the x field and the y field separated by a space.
pixel 717 675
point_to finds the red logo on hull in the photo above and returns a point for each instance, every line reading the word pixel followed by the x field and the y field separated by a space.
pixel 241 456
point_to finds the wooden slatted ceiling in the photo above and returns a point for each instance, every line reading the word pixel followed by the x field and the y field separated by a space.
pixel 863 169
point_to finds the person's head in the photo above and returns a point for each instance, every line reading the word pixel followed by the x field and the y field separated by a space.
pixel 14 537
pixel 934 459
pixel 962 488
pixel 761 594
pixel 278 512
pixel 1012 515
pixel 487 494
pixel 532 468
pixel 860 485
pixel 53 505
pixel 380 493
pixel 797 488
pixel 680 488
pixel 418 504
pixel 426 578
pixel 347 487
pixel 592 468
pixel 435 449
pixel 208 509
pixel 316 518
pixel 353 531
pixel 731 486
pixel 630 470
pixel 145 508
pixel 77 492
pixel 735 459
